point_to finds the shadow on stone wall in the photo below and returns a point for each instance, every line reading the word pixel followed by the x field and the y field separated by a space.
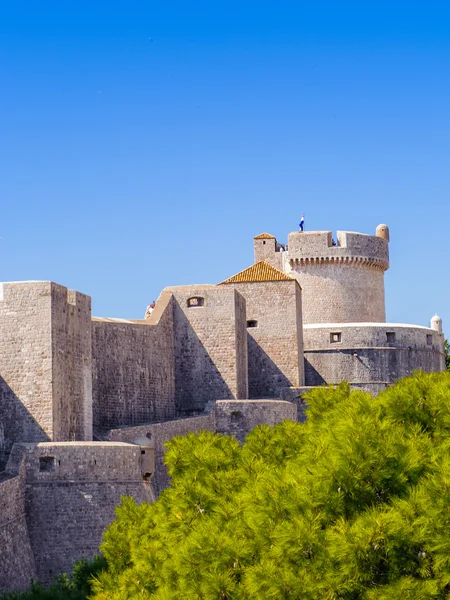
pixel 264 377
pixel 312 376
pixel 17 424
pixel 197 379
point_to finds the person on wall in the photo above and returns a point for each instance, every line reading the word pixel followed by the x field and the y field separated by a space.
pixel 302 223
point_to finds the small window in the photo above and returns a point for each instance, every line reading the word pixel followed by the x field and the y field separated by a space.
pixel 429 339
pixel 264 242
pixel 390 337
pixel 195 301
pixel 46 464
pixel 252 323
pixel 335 337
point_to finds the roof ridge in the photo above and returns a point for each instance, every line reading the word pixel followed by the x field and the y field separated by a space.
pixel 258 272
pixel 264 236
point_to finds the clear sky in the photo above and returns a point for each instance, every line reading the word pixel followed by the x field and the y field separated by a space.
pixel 145 143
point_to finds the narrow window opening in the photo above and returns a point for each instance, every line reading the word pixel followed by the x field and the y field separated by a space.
pixel 429 339
pixel 390 337
pixel 142 451
pixel 46 464
pixel 195 301
pixel 335 337
pixel 252 323
pixel 264 242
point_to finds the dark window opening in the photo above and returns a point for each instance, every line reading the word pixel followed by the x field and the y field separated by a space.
pixel 429 339
pixel 46 464
pixel 252 323
pixel 335 337
pixel 390 337
pixel 195 301
pixel 264 242
pixel 142 451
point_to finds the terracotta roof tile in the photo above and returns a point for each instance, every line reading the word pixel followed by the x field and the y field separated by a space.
pixel 260 271
pixel 264 236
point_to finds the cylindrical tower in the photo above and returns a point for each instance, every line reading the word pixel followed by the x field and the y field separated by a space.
pixel 342 281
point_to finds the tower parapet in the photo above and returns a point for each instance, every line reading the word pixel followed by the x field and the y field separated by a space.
pixel 318 247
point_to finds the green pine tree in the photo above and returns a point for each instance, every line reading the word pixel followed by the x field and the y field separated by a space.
pixel 353 504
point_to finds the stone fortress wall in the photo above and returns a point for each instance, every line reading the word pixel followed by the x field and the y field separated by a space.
pixel 218 357
pixel 369 354
pixel 133 369
pixel 45 364
pixel 17 564
pixel 275 336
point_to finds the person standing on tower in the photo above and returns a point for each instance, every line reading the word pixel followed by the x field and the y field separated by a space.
pixel 302 223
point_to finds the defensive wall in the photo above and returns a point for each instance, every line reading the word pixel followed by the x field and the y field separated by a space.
pixel 274 334
pixel 66 492
pixel 57 498
pixel 217 357
pixel 369 355
pixel 210 344
pixel 17 565
pixel 229 417
pixel 45 364
pixel 133 369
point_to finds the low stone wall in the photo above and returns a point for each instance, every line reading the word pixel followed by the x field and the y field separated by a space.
pixel 238 418
pixel 17 563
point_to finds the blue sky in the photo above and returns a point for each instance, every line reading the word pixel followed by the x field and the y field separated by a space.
pixel 144 144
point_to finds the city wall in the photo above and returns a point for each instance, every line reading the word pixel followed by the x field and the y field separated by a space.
pixel 17 566
pixel 71 491
pixel 274 334
pixel 369 354
pixel 210 345
pixel 133 377
pixel 71 364
pixel 44 364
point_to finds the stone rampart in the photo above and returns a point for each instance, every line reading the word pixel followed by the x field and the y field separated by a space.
pixel 367 354
pixel 71 491
pixel 133 378
pixel 71 364
pixel 210 345
pixel 17 562
pixel 44 364
pixel 238 418
pixel 275 338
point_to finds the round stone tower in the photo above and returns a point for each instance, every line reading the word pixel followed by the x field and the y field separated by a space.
pixel 342 280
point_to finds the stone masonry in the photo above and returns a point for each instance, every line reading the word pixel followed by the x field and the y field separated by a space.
pixel 87 403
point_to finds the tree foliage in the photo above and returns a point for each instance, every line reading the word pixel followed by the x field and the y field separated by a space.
pixel 353 504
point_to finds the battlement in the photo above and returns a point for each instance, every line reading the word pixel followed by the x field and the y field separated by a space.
pixel 318 247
